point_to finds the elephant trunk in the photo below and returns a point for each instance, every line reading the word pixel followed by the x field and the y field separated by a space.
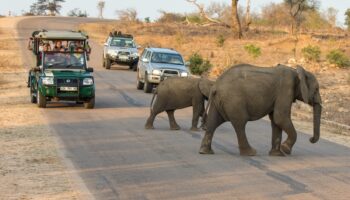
pixel 317 110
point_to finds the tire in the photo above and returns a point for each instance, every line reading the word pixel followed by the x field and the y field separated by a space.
pixel 103 62
pixel 134 67
pixel 108 63
pixel 32 96
pixel 41 100
pixel 147 88
pixel 90 104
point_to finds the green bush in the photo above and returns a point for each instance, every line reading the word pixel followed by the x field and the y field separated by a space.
pixel 220 41
pixel 198 65
pixel 311 53
pixel 253 50
pixel 338 58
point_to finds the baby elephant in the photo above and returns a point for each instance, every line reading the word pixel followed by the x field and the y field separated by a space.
pixel 177 93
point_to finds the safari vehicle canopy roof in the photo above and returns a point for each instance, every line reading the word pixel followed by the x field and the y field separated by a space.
pixel 60 35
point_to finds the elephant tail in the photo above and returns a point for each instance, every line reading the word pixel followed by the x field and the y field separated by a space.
pixel 205 115
pixel 154 96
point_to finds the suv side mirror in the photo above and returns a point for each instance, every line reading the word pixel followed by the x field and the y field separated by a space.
pixel 90 69
pixel 146 60
pixel 105 44
pixel 36 69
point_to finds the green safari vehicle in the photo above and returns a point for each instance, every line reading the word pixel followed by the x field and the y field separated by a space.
pixel 61 72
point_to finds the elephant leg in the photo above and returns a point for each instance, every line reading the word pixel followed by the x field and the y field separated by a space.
pixel 150 120
pixel 286 124
pixel 172 121
pixel 214 120
pixel 244 147
pixel 198 109
pixel 276 138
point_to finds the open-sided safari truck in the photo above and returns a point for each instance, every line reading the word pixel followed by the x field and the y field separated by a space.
pixel 61 72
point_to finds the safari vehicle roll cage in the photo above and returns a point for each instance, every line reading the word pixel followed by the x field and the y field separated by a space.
pixel 120 34
pixel 41 37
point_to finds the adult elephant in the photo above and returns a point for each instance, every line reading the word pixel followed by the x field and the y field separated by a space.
pixel 247 93
pixel 177 93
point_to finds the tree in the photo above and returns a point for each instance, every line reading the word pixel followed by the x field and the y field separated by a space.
pixel 236 24
pixel 76 12
pixel 41 6
pixel 101 5
pixel 332 16
pixel 296 8
pixel 347 18
pixel 248 19
pixel 129 15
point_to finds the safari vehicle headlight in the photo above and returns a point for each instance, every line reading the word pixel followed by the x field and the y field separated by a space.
pixel 184 74
pixel 156 72
pixel 48 80
pixel 88 81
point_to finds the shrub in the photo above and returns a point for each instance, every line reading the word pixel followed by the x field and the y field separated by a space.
pixel 338 58
pixel 253 50
pixel 220 41
pixel 311 53
pixel 198 65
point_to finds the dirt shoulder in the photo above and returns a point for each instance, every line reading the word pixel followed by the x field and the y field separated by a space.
pixel 30 164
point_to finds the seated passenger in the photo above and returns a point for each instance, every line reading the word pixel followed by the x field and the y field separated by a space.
pixel 58 46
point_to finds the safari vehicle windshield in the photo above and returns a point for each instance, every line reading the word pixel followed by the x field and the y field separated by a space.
pixel 64 60
pixel 167 58
pixel 123 42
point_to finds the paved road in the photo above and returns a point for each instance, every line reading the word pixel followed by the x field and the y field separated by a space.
pixel 117 159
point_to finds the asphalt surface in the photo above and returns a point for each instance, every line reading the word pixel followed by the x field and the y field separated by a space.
pixel 118 159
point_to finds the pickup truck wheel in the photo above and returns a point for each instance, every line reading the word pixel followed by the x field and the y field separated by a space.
pixel 139 85
pixel 108 63
pixel 90 104
pixel 41 100
pixel 32 96
pixel 147 88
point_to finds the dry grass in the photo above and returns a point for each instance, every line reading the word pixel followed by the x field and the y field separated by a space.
pixel 30 167
pixel 276 47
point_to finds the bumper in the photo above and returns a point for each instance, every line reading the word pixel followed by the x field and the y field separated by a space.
pixel 125 60
pixel 156 79
pixel 83 93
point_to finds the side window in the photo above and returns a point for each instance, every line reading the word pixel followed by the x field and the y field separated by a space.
pixel 108 41
pixel 148 55
pixel 143 53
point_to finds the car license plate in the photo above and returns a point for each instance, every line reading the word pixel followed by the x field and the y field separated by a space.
pixel 68 89
pixel 123 58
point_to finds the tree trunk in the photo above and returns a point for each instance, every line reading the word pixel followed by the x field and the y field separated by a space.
pixel 236 24
pixel 248 19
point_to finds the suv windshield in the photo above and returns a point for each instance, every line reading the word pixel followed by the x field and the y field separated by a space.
pixel 64 60
pixel 123 42
pixel 167 58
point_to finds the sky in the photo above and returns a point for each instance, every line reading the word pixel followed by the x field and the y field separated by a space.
pixel 151 8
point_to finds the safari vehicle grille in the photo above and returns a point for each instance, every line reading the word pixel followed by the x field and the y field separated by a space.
pixel 67 82
pixel 123 53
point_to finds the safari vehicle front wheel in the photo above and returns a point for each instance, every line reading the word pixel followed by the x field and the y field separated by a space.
pixel 108 63
pixel 147 88
pixel 32 96
pixel 41 100
pixel 90 104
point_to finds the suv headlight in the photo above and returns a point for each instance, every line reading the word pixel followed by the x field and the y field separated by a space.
pixel 135 54
pixel 156 72
pixel 88 81
pixel 112 52
pixel 184 74
pixel 48 80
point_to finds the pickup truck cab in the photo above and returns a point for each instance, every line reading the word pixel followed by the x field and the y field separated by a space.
pixel 61 72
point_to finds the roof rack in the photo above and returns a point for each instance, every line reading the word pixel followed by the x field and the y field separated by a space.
pixel 120 34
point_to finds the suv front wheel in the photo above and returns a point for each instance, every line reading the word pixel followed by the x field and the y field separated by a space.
pixel 90 104
pixel 107 63
pixel 147 88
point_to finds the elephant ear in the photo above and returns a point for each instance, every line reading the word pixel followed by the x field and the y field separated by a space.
pixel 302 84
pixel 204 86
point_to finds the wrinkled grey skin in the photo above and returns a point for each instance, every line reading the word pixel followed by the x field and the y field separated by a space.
pixel 247 93
pixel 177 93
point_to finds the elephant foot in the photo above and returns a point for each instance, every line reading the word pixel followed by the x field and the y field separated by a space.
pixel 175 127
pixel 206 150
pixel 247 152
pixel 286 149
pixel 275 152
pixel 195 129
pixel 147 126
